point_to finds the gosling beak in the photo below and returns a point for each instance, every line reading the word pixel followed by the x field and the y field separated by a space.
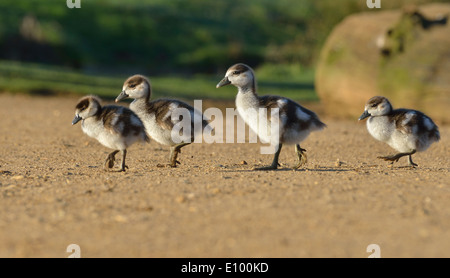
pixel 364 115
pixel 121 96
pixel 76 119
pixel 223 82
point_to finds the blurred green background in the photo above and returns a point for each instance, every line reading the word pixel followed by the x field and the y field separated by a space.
pixel 184 46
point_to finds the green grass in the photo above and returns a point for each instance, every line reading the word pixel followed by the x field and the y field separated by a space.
pixel 47 80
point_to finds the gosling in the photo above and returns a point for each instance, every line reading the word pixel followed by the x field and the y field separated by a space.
pixel 294 121
pixel 115 127
pixel 405 130
pixel 161 115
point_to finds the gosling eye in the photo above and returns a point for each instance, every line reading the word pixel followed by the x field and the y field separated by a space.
pixel 374 105
pixel 236 72
pixel 132 86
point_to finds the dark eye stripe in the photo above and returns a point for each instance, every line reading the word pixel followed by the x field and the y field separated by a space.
pixel 83 104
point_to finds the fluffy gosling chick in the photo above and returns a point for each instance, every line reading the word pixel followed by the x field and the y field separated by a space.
pixel 295 122
pixel 405 130
pixel 159 116
pixel 115 127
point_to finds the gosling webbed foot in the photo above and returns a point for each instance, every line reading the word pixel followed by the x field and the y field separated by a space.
pixel 302 157
pixel 391 158
pixel 171 165
pixel 110 159
pixel 396 157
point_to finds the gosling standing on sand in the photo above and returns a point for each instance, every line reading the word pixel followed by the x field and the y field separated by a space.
pixel 157 116
pixel 115 127
pixel 405 130
pixel 295 122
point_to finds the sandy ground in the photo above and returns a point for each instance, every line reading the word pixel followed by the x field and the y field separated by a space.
pixel 54 192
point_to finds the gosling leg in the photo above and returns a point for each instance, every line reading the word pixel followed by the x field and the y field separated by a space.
pixel 174 151
pixel 302 158
pixel 110 159
pixel 396 157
